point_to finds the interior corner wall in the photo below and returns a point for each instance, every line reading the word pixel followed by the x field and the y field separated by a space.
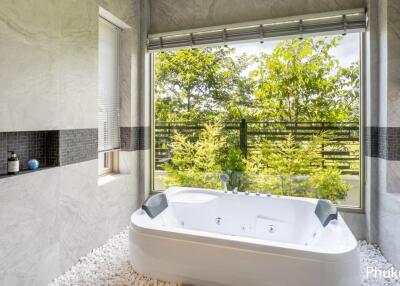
pixel 371 116
pixel 388 210
pixel 145 164
pixel 383 128
pixel 48 79
pixel 175 15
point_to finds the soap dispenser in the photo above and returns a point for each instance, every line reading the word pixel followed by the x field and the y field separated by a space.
pixel 13 164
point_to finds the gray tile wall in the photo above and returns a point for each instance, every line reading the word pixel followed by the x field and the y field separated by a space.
pixel 371 140
pixel 383 142
pixel 135 138
pixel 3 152
pixel 40 145
pixel 78 145
pixel 50 148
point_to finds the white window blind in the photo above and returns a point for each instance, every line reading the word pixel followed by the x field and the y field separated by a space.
pixel 299 26
pixel 108 97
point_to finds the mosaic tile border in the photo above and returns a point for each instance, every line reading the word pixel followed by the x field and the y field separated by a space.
pixel 40 145
pixel 78 145
pixel 383 142
pixel 135 138
pixel 54 148
pixel 51 148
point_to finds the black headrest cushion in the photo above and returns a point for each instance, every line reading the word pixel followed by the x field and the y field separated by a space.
pixel 155 204
pixel 325 211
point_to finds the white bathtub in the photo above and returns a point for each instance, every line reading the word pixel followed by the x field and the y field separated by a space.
pixel 207 237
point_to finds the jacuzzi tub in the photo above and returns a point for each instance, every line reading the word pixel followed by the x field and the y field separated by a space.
pixel 208 237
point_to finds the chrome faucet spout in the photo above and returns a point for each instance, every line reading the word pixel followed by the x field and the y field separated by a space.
pixel 224 178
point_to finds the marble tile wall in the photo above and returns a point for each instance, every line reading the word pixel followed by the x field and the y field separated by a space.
pixel 55 58
pixel 383 145
pixel 44 230
pixel 48 79
pixel 356 222
pixel 173 15
pixel 388 210
pixel 371 111
pixel 29 228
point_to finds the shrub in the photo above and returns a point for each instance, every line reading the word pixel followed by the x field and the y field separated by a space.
pixel 288 168
pixel 196 164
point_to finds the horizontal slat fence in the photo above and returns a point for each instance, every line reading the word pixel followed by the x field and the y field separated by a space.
pixel 342 148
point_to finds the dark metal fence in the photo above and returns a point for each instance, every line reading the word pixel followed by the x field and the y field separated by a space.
pixel 341 148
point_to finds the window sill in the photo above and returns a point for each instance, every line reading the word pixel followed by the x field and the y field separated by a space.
pixel 109 178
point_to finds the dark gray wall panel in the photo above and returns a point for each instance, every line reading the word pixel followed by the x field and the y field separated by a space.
pixel 135 138
pixel 40 145
pixel 78 145
pixel 383 142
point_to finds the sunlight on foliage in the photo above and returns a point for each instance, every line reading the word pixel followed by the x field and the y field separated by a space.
pixel 196 164
pixel 298 81
pixel 288 168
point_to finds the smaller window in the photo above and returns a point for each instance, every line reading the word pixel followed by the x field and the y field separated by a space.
pixel 108 162
pixel 108 98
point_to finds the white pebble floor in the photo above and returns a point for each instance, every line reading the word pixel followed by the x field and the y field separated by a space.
pixel 109 265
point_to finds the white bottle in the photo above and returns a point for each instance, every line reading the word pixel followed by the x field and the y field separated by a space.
pixel 13 164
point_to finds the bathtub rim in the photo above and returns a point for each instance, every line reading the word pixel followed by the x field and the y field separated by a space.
pixel 139 222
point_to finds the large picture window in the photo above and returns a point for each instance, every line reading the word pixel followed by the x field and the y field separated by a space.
pixel 280 116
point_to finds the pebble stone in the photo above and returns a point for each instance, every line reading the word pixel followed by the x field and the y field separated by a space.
pixel 109 265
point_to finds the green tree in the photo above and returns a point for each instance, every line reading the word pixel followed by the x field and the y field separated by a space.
pixel 200 84
pixel 302 81
pixel 196 164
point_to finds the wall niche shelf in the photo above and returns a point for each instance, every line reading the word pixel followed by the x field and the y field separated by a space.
pixel 24 172
pixel 40 145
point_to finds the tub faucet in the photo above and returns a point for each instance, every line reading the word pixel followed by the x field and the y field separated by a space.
pixel 224 178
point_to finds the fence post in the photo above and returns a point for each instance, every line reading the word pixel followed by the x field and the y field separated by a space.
pixel 243 136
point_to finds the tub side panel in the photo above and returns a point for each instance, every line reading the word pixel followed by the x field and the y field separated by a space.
pixel 207 264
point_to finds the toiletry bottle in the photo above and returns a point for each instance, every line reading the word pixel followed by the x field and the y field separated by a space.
pixel 13 164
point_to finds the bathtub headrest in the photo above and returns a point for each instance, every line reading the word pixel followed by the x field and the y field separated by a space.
pixel 155 204
pixel 325 211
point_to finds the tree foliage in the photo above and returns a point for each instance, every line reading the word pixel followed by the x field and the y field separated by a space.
pixel 300 80
pixel 285 169
pixel 200 84
pixel 196 164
